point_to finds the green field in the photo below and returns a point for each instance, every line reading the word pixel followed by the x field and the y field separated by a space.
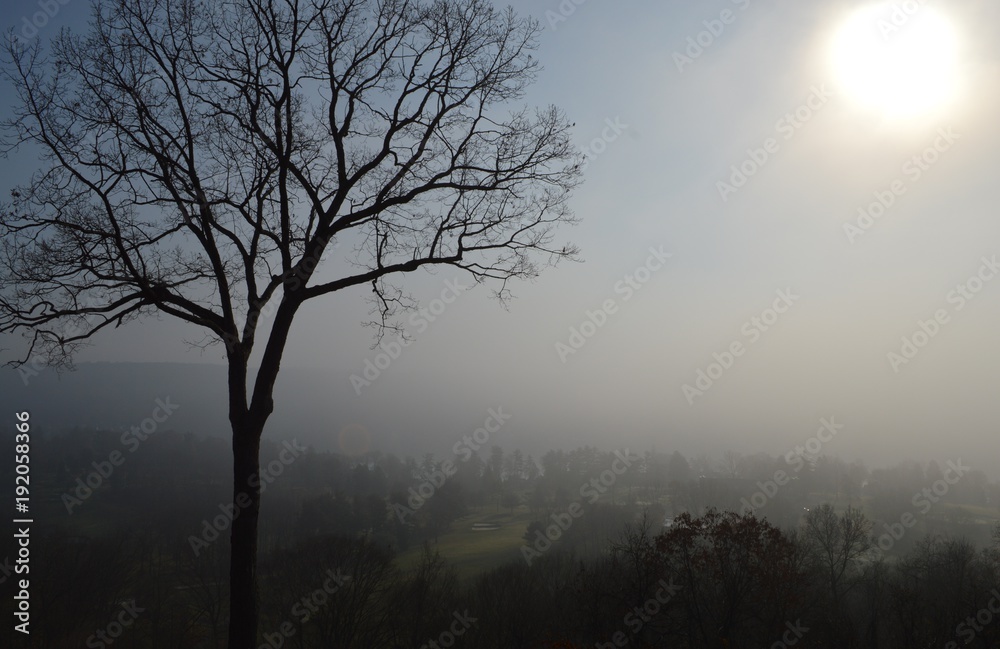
pixel 475 551
pixel 975 513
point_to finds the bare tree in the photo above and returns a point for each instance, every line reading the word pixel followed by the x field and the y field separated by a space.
pixel 203 157
pixel 838 543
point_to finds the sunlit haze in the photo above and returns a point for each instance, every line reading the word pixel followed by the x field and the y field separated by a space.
pixel 836 152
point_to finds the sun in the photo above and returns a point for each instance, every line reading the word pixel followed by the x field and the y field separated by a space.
pixel 898 59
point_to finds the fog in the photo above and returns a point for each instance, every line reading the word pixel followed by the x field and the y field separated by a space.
pixel 686 338
pixel 655 185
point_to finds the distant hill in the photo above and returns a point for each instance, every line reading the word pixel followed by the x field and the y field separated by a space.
pixel 121 395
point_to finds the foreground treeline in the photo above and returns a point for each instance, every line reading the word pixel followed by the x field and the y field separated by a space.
pixel 132 539
pixel 720 580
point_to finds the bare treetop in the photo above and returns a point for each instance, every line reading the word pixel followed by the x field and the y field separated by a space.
pixel 204 156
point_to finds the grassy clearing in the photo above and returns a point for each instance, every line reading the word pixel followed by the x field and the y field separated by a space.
pixel 975 513
pixel 473 552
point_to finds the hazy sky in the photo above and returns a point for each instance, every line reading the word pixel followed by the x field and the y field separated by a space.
pixel 763 84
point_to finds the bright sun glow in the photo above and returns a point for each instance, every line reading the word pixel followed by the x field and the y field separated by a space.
pixel 900 64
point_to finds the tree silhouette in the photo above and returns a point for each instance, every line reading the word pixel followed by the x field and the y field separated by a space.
pixel 839 542
pixel 202 158
pixel 739 577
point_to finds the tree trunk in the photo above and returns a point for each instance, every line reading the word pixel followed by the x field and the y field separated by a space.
pixel 247 418
pixel 244 607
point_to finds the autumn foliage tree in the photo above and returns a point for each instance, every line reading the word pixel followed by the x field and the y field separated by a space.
pixel 741 580
pixel 203 160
